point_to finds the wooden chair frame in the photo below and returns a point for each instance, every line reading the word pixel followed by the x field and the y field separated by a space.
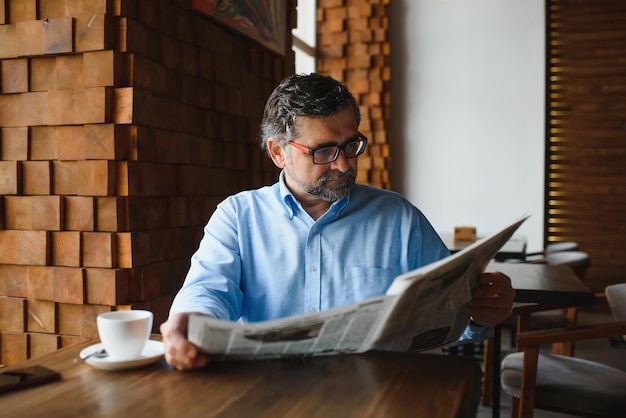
pixel 530 342
pixel 522 312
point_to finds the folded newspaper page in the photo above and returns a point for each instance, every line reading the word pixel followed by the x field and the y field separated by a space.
pixel 422 309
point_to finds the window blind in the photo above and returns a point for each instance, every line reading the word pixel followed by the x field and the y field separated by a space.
pixel 586 132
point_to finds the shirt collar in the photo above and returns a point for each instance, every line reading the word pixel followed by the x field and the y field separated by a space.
pixel 291 204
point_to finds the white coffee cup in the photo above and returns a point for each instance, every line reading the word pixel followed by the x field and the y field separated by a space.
pixel 124 334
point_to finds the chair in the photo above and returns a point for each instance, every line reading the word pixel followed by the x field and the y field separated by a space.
pixel 551 248
pixel 535 317
pixel 567 384
pixel 579 262
pixel 557 255
pixel 555 247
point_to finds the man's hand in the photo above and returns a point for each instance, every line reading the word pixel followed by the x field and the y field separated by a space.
pixel 179 352
pixel 492 300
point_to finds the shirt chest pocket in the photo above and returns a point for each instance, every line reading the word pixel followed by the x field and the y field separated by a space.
pixel 367 282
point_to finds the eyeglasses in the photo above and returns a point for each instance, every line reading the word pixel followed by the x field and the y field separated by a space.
pixel 326 155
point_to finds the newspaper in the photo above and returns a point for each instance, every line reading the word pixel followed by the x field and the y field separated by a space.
pixel 422 309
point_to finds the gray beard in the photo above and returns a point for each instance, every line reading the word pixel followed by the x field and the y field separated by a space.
pixel 334 192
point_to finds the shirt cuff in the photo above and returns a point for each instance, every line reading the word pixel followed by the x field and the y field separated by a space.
pixel 475 334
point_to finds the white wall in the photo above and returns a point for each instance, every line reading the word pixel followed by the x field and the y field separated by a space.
pixel 468 111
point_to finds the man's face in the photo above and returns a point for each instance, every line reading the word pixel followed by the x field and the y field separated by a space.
pixel 327 182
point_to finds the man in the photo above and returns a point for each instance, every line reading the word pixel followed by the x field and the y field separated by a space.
pixel 315 239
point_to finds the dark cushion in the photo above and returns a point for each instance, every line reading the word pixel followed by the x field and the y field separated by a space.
pixel 570 383
pixel 555 247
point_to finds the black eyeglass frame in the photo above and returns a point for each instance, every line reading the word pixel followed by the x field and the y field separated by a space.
pixel 312 151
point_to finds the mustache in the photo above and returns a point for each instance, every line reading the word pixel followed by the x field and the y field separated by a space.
pixel 338 175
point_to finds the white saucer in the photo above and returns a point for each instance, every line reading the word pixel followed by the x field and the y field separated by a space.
pixel 151 353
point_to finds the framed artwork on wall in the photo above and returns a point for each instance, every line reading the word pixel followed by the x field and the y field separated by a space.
pixel 262 20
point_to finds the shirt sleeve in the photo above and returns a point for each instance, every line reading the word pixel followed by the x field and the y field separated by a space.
pixel 425 245
pixel 212 283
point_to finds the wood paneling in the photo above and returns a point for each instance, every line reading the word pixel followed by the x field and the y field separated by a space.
pixel 121 128
pixel 354 47
pixel 586 132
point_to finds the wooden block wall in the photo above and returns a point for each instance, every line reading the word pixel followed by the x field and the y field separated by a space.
pixel 121 128
pixel 354 47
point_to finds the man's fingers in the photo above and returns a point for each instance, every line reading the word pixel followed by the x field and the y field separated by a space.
pixel 494 285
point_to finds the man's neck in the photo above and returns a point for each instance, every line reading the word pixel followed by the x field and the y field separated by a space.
pixel 316 209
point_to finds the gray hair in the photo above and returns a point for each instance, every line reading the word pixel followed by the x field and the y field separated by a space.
pixel 310 95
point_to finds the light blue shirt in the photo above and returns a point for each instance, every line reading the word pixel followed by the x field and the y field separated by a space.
pixel 263 257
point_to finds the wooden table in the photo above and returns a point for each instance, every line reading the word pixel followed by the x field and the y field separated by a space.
pixel 374 384
pixel 544 284
pixel 515 248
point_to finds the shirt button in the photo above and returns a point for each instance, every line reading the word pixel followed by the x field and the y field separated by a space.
pixel 312 309
pixel 312 268
pixel 315 230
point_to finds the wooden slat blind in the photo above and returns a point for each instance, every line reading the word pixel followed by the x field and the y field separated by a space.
pixel 586 132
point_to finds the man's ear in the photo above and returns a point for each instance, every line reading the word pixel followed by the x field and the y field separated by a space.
pixel 277 153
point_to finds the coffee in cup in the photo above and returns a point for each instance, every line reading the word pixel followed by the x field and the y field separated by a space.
pixel 124 334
